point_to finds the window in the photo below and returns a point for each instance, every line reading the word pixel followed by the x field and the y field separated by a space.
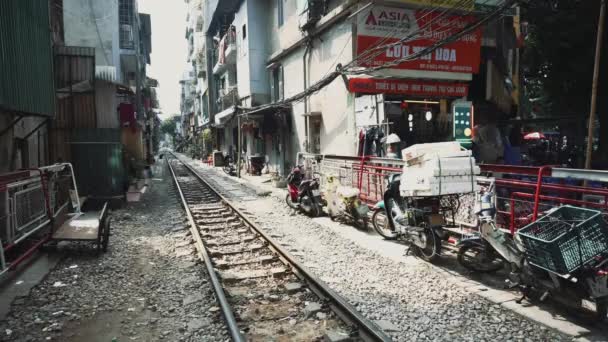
pixel 280 12
pixel 244 31
pixel 276 84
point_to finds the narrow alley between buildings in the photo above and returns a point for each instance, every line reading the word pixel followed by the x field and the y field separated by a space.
pixel 303 170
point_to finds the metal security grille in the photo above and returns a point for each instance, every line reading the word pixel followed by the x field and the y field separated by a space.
pixel 126 15
pixel 30 209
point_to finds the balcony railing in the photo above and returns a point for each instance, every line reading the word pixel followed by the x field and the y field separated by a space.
pixel 225 53
pixel 127 40
pixel 227 98
pixel 126 15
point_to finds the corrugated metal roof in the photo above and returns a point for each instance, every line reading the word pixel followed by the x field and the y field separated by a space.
pixel 26 84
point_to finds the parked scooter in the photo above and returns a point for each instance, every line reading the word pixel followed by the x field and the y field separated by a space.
pixel 344 202
pixel 303 194
pixel 414 220
pixel 229 165
pixel 581 278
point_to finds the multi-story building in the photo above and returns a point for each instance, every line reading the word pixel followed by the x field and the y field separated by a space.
pixel 104 95
pixel 259 53
pixel 189 117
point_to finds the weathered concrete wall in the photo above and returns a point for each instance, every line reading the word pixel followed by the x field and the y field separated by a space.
pixel 287 34
pixel 94 24
pixel 259 51
pixel 242 51
pixel 252 51
pixel 334 102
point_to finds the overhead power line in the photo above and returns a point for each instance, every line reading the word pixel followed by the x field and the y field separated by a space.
pixel 377 49
pixel 469 28
pixel 350 70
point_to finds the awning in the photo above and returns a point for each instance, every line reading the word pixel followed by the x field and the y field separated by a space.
pixel 224 116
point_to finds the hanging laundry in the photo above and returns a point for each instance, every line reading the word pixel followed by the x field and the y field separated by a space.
pixel 222 51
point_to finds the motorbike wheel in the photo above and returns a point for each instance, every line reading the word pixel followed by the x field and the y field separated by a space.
pixel 432 248
pixel 382 226
pixel 228 170
pixel 478 259
pixel 316 212
pixel 601 309
pixel 309 206
pixel 290 203
pixel 361 223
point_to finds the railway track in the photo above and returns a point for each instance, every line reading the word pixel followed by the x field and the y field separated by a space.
pixel 263 293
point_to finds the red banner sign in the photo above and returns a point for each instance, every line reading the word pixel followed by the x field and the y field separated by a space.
pixel 407 87
pixel 383 26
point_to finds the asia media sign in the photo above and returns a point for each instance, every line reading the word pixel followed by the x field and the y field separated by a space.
pixel 386 26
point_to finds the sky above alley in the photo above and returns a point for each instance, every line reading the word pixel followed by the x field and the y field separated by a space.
pixel 168 49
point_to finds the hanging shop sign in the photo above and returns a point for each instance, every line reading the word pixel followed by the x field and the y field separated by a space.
pixel 463 112
pixel 407 87
pixel 401 32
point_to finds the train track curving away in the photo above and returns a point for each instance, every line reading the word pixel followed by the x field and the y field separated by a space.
pixel 263 293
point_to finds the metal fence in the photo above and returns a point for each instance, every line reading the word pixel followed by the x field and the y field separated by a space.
pixel 522 193
pixel 24 209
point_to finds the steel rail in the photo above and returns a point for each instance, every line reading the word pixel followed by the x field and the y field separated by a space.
pixel 233 328
pixel 367 330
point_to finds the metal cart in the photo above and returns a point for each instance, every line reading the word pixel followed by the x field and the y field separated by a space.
pixel 90 226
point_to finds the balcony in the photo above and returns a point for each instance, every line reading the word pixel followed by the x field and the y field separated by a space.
pixel 225 54
pixel 128 25
pixel 227 98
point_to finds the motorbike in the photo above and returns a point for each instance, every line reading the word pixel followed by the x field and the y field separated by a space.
pixel 417 221
pixel 343 203
pixel 229 165
pixel 303 194
pixel 491 249
pixel 256 164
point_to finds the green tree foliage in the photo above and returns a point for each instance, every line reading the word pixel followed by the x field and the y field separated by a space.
pixel 559 59
pixel 168 127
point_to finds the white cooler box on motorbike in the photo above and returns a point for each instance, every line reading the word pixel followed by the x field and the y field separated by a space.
pixel 441 172
pixel 443 149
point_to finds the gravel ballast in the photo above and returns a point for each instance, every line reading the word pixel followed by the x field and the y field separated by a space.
pixel 410 300
pixel 149 286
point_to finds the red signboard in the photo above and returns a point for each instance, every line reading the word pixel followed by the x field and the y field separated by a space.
pixel 383 26
pixel 407 87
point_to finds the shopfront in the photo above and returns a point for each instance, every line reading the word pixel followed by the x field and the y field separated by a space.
pixel 263 135
pixel 417 98
pixel 417 111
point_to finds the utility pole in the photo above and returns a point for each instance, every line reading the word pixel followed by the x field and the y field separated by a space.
pixel 596 72
pixel 239 145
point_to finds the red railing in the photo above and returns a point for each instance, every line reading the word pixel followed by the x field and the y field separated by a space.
pixel 520 202
pixel 523 192
pixel 371 175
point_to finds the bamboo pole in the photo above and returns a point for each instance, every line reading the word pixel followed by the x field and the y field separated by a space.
pixel 596 71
